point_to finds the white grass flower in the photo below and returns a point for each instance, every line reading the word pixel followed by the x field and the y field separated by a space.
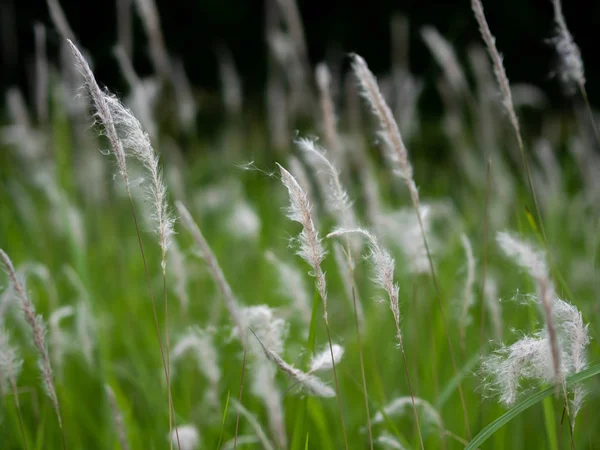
pixel 310 384
pixel 570 70
pixel 322 361
pixel 180 276
pixel 402 405
pixel 38 329
pixel 189 437
pixel 311 248
pixel 254 423
pixel 534 262
pixel 345 269
pixel 10 360
pixel 201 345
pixel 243 221
pixel 323 78
pixel 388 441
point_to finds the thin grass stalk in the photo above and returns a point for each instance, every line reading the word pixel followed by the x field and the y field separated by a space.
pixel 399 156
pixel 11 365
pixel 105 116
pixel 117 418
pixel 507 101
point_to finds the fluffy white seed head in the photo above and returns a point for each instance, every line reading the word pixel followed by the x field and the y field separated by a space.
pixel 403 405
pixel 10 360
pixel 189 437
pixel 199 343
pixel 322 360
pixel 311 248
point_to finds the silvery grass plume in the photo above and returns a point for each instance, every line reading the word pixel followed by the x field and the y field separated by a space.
pixel 410 240
pixel 10 363
pixel 468 297
pixel 528 95
pixel 309 384
pixel 390 134
pixel 243 222
pixel 292 285
pixel 388 441
pixel 570 69
pixel 299 172
pixel 102 112
pixel 38 329
pixel 200 344
pixel 310 245
pixel 337 200
pixel 323 78
pixel 142 94
pixel 240 441
pixel 278 119
pixel 184 96
pixel 254 423
pixel 59 340
pixel 186 436
pixel 534 263
pixel 531 358
pixel 322 361
pixel 117 417
pixel 207 254
pixel 271 332
pixel 444 54
pixel 400 405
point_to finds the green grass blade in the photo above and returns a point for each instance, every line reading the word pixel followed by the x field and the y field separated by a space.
pixel 525 404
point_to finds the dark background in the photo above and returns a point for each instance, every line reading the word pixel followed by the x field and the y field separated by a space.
pixel 192 28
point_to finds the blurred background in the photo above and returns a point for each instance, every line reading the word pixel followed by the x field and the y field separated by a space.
pixel 196 31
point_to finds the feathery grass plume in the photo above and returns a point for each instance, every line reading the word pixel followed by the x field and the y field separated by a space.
pixel 293 21
pixel 271 333
pixel 444 53
pixel 389 441
pixel 345 269
pixel 310 245
pixel 184 96
pixel 38 329
pixel 531 356
pixel 243 222
pixel 59 341
pixel 141 96
pixel 240 441
pixel 323 78
pixel 57 15
pixel 309 384
pixel 390 134
pixel 278 119
pixel 187 437
pixel 117 417
pixel 231 302
pixel 337 200
pixel 251 418
pixel 384 266
pixel 137 143
pixel 10 368
pixel 200 344
pixel 158 52
pixel 507 99
pixel 125 26
pixel 468 297
pixel 292 285
pixel 102 111
pixel 231 83
pixel 534 263
pixel 322 361
pixel 570 71
pixel 41 73
pixel 400 405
